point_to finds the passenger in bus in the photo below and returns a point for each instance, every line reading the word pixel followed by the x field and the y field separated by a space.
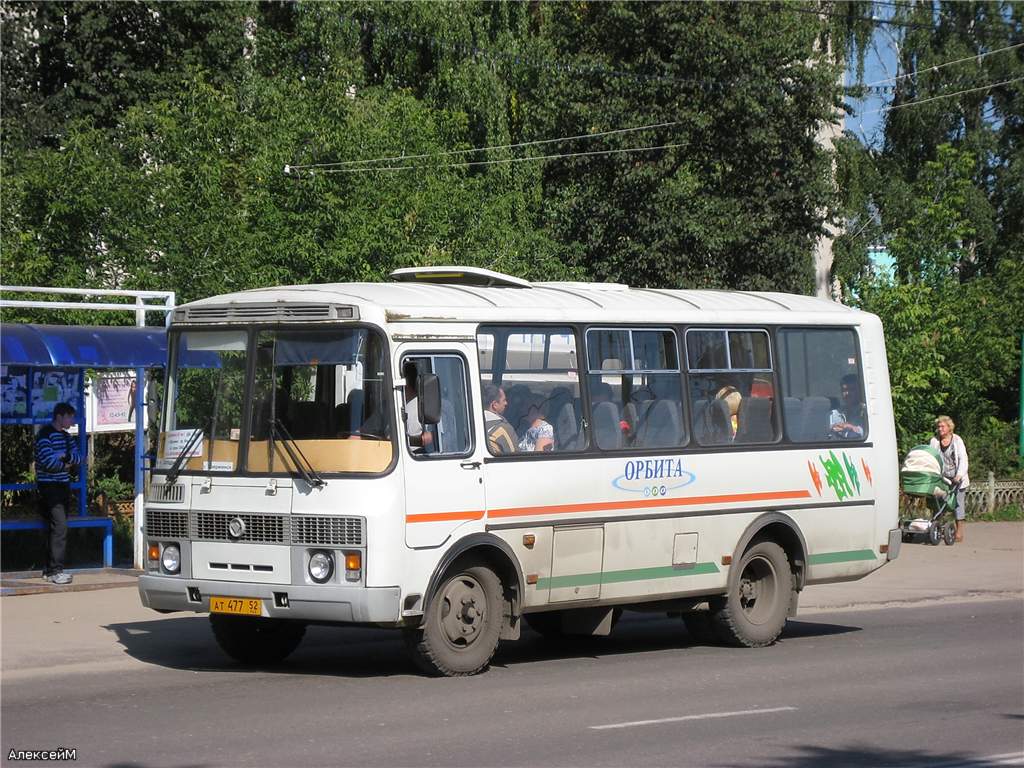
pixel 848 423
pixel 501 437
pixel 420 439
pixel 377 426
pixel 540 435
pixel 732 398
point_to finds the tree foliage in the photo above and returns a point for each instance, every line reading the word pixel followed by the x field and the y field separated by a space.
pixel 943 196
pixel 144 144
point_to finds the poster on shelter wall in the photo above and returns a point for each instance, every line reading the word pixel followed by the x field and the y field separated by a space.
pixel 50 387
pixel 110 402
pixel 115 399
pixel 14 391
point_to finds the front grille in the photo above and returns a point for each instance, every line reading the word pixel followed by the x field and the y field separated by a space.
pixel 327 531
pixel 309 530
pixel 166 523
pixel 167 493
pixel 264 529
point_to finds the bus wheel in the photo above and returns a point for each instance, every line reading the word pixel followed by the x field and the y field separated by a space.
pixel 459 634
pixel 253 640
pixel 754 610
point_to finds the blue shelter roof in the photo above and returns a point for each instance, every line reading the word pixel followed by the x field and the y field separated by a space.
pixel 78 346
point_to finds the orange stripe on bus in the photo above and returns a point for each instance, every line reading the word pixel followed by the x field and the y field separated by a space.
pixel 609 506
pixel 436 517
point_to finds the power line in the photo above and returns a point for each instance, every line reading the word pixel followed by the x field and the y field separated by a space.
pixel 507 160
pixel 917 102
pixel 935 67
pixel 405 158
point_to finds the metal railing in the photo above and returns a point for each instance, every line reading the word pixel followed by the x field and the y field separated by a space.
pixel 992 495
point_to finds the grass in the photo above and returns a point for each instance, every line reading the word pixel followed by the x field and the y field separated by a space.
pixel 1011 513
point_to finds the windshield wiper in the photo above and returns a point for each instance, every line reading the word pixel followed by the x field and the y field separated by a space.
pixel 299 459
pixel 179 460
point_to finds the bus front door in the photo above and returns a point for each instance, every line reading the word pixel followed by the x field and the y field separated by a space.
pixel 443 462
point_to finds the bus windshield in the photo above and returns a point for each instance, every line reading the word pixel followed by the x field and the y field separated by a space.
pixel 318 402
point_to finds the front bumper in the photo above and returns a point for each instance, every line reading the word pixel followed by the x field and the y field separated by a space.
pixel 355 605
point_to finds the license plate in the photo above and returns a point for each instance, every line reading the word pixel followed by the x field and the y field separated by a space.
pixel 243 606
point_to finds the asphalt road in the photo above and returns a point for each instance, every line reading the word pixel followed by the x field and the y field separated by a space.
pixel 940 684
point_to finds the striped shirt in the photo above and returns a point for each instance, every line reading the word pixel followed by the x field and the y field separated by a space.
pixel 54 449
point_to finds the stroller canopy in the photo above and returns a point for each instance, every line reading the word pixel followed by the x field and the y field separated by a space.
pixel 921 474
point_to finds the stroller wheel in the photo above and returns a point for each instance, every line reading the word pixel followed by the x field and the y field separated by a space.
pixel 934 534
pixel 949 534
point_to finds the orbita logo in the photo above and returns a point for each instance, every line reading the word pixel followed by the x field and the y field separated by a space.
pixel 653 477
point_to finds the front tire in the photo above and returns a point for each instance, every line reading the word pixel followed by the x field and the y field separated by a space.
pixel 754 610
pixel 460 629
pixel 254 640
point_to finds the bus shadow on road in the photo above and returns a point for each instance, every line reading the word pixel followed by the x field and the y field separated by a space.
pixel 863 755
pixel 187 643
pixel 636 634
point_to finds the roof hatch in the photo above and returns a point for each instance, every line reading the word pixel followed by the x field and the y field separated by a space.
pixel 484 278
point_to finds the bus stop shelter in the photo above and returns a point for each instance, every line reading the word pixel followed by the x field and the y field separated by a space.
pixel 46 364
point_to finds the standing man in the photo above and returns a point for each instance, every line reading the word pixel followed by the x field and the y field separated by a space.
pixel 501 437
pixel 56 457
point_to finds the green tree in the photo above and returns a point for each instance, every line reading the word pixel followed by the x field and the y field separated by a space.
pixel 943 195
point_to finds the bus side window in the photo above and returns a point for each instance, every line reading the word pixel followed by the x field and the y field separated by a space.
pixel 635 388
pixel 732 386
pixel 822 385
pixel 531 389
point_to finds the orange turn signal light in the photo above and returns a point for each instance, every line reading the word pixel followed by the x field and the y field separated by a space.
pixel 154 552
pixel 353 561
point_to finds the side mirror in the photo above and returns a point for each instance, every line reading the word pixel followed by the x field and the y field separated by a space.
pixel 428 394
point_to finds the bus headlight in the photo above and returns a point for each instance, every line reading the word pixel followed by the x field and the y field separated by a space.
pixel 171 558
pixel 321 567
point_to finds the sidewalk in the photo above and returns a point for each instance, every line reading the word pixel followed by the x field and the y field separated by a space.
pixel 85 579
pixel 83 627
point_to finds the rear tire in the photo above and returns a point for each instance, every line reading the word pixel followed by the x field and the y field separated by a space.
pixel 460 629
pixel 254 640
pixel 754 610
pixel 934 534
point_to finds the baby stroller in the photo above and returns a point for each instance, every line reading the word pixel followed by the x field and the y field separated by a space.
pixel 921 477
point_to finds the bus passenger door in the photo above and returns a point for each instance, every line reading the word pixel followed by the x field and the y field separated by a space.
pixel 443 470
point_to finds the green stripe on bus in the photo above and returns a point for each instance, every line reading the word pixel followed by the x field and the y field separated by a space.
pixel 634 574
pixel 842 557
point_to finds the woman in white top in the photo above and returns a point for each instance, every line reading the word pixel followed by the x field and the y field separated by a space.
pixel 954 465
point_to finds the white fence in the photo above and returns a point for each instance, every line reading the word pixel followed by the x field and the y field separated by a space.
pixel 992 495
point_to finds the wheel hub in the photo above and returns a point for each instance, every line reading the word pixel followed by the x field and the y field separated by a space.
pixel 462 611
pixel 757 589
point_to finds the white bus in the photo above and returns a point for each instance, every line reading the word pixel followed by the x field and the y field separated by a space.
pixel 706 454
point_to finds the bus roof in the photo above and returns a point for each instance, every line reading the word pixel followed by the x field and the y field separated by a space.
pixel 465 294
